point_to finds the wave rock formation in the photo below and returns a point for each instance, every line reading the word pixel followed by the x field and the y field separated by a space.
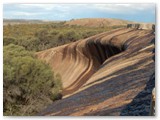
pixel 104 74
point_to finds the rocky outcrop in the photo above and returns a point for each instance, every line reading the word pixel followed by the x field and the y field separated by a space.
pixel 103 74
pixel 144 26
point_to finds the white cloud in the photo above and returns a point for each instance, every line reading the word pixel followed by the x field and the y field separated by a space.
pixel 18 13
pixel 67 11
pixel 47 7
pixel 23 13
pixel 123 8
pixel 38 6
pixel 66 8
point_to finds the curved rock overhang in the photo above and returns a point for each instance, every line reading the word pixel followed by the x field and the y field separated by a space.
pixel 103 73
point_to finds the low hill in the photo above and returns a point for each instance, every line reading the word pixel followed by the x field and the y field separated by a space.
pixel 98 22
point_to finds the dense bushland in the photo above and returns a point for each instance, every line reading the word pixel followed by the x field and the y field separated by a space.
pixel 37 37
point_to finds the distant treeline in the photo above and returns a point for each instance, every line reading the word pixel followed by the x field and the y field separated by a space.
pixel 37 37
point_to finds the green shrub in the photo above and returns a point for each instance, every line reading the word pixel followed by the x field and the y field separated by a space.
pixel 57 88
pixel 9 40
pixel 29 84
pixel 72 35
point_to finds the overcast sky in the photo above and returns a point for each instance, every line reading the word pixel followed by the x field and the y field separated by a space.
pixel 132 12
